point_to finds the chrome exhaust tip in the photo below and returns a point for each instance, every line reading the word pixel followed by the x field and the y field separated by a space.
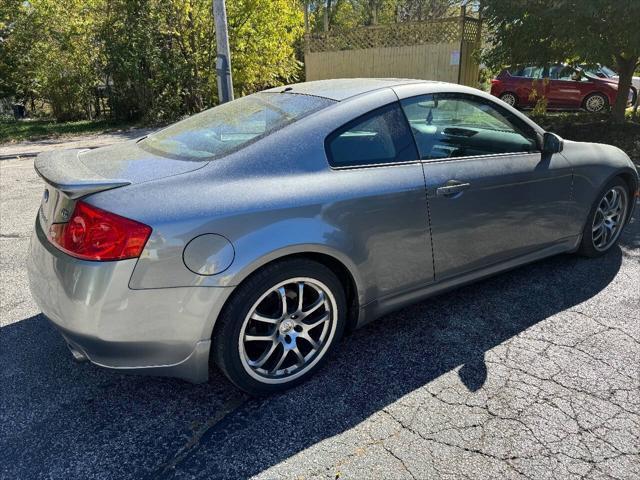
pixel 78 355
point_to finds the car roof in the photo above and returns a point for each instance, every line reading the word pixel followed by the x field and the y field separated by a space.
pixel 343 88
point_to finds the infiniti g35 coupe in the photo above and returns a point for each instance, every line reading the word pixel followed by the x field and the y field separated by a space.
pixel 254 234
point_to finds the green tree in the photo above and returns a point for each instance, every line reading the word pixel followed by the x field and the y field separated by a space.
pixel 9 12
pixel 578 31
pixel 49 55
pixel 160 55
pixel 346 14
pixel 263 35
pixel 154 58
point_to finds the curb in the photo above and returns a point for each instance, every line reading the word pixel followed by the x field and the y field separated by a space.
pixel 35 154
pixel 19 155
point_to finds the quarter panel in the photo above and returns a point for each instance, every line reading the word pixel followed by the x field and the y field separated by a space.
pixel 373 220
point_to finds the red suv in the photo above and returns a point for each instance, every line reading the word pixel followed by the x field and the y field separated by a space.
pixel 563 86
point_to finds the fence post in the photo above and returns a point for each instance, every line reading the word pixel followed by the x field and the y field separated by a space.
pixel 463 14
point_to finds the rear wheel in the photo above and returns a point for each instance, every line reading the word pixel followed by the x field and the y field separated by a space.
pixel 606 219
pixel 280 326
pixel 509 98
pixel 595 103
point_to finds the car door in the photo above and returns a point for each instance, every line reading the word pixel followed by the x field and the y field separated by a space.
pixel 492 195
pixel 385 213
pixel 566 87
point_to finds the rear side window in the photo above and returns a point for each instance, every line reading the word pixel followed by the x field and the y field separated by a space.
pixel 381 136
pixel 232 126
pixel 527 72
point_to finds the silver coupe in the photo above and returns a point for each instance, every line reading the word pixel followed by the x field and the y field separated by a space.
pixel 254 234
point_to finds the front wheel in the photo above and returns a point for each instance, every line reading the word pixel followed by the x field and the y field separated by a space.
pixel 606 219
pixel 279 326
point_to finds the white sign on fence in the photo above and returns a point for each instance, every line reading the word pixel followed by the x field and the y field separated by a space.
pixel 455 58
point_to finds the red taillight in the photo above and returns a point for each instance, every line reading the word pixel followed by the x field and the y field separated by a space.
pixel 495 81
pixel 95 234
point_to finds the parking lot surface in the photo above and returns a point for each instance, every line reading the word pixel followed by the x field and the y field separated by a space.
pixel 531 374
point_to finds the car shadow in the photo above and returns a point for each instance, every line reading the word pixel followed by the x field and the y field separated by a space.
pixel 61 419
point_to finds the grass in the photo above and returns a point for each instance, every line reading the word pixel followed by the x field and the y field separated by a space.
pixel 15 131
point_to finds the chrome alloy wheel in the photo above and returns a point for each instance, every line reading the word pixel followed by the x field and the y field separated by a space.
pixel 609 218
pixel 595 103
pixel 508 98
pixel 288 330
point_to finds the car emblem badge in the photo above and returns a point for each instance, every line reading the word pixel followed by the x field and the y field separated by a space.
pixel 45 197
pixel 286 327
pixel 64 213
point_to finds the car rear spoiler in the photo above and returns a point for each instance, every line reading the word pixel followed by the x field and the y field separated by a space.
pixel 63 170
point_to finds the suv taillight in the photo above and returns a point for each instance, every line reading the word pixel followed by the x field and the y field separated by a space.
pixel 95 234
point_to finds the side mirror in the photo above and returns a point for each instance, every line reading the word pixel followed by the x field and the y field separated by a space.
pixel 551 143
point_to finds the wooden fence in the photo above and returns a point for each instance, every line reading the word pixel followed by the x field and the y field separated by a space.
pixel 440 49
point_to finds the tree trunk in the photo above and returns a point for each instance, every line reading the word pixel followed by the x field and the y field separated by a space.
pixel 373 12
pixel 626 68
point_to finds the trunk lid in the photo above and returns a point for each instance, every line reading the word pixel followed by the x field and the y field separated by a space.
pixel 72 174
pixel 80 172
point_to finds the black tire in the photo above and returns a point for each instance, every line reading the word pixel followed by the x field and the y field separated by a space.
pixel 587 247
pixel 603 100
pixel 509 98
pixel 226 348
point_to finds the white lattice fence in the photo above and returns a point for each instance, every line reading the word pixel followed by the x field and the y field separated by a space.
pixel 439 49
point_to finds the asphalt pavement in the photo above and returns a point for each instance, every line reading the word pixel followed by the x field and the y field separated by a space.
pixel 531 374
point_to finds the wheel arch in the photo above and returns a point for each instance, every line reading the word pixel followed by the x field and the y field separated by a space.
pixel 630 179
pixel 632 182
pixel 341 266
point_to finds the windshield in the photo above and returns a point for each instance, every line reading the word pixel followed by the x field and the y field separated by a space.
pixel 608 72
pixel 233 125
pixel 600 71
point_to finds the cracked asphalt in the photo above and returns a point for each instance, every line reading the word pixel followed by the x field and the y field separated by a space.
pixel 531 374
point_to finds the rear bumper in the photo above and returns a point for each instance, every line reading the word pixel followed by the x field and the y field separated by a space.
pixel 156 331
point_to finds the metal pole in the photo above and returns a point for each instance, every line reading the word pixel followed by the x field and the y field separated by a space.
pixel 223 58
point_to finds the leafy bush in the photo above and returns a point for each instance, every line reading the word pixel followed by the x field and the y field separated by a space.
pixel 152 59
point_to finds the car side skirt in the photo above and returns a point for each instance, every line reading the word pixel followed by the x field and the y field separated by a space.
pixel 385 305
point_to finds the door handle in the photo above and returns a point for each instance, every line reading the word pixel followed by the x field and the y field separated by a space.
pixel 451 188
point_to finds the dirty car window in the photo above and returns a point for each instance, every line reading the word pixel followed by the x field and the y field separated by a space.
pixel 231 126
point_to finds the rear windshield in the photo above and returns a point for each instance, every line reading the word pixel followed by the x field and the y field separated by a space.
pixel 233 125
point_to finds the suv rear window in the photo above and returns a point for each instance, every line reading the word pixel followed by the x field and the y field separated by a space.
pixel 232 126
